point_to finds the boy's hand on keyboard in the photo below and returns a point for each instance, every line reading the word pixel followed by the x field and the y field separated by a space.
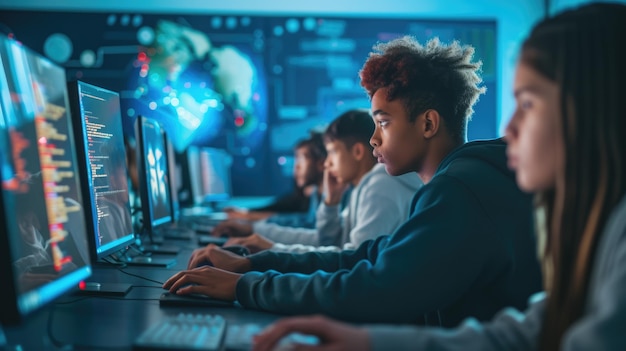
pixel 210 281
pixel 332 335
pixel 255 243
pixel 222 259
pixel 232 227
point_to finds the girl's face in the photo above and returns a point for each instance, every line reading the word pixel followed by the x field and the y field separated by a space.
pixel 535 146
pixel 307 170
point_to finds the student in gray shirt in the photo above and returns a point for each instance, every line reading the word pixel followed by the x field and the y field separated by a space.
pixel 361 200
pixel 567 143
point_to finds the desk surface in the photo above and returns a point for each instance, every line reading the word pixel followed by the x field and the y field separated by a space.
pixel 113 323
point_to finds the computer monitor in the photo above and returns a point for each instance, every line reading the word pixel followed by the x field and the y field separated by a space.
pixel 43 236
pixel 154 182
pixel 174 175
pixel 102 157
pixel 155 187
pixel 209 173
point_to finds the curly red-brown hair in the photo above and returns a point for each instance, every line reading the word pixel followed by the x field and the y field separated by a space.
pixel 436 76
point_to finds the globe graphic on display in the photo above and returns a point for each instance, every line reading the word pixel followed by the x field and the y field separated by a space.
pixel 201 94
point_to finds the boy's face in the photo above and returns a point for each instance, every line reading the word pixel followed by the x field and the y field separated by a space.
pixel 340 161
pixel 307 170
pixel 535 146
pixel 397 142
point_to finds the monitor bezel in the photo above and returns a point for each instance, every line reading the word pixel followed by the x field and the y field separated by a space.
pixel 173 177
pixel 194 159
pixel 19 306
pixel 147 207
pixel 80 132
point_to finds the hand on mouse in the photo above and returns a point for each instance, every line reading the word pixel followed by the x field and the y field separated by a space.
pixel 219 258
pixel 333 335
pixel 232 227
pixel 255 243
pixel 209 281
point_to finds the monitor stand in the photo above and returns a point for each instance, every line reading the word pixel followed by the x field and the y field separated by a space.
pixel 150 261
pixel 157 248
pixel 142 259
pixel 178 234
pixel 157 245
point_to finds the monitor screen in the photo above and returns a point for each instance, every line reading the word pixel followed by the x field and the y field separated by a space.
pixel 43 235
pixel 102 156
pixel 174 175
pixel 153 175
pixel 209 173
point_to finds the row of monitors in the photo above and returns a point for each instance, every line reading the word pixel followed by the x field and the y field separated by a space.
pixel 64 202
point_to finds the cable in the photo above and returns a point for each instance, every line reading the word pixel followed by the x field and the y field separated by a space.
pixel 115 263
pixel 141 277
pixel 71 301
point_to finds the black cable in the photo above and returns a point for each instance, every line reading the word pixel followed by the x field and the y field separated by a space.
pixel 71 301
pixel 141 277
pixel 114 262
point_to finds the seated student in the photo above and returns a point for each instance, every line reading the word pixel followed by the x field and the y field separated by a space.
pixel 567 142
pixel 376 203
pixel 468 248
pixel 298 207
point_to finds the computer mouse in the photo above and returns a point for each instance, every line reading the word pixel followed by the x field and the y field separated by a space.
pixel 237 249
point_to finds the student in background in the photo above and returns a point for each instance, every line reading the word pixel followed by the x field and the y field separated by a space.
pixel 468 247
pixel 361 201
pixel 298 207
pixel 567 143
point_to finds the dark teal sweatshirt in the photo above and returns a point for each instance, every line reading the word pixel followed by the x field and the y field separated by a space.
pixel 468 249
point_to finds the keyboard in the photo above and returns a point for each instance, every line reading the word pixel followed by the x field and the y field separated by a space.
pixel 168 299
pixel 185 331
pixel 239 338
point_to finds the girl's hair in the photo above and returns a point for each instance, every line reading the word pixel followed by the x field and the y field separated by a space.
pixel 315 144
pixel 579 50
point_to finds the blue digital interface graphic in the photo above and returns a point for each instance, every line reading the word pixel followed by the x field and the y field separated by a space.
pixel 250 85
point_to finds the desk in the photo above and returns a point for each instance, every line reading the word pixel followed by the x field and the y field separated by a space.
pixel 113 323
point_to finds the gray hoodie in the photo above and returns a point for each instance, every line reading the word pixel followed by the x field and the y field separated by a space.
pixel 602 326
pixel 376 206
